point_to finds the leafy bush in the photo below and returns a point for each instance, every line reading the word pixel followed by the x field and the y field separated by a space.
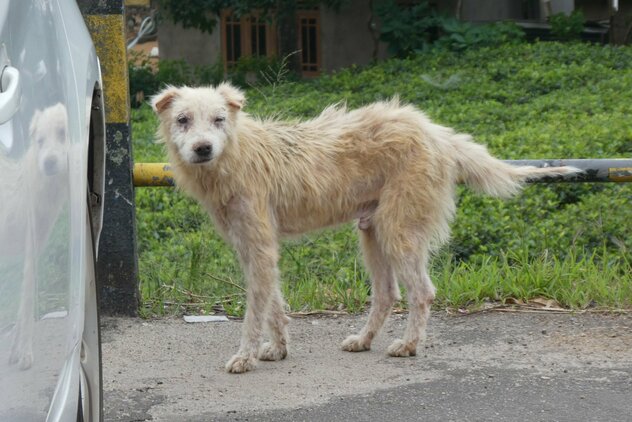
pixel 406 30
pixel 146 78
pixel 142 78
pixel 457 35
pixel 567 27
pixel 542 100
pixel 415 29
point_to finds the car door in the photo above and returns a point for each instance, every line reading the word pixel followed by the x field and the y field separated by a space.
pixel 40 298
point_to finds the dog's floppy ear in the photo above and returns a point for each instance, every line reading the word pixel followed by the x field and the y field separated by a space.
pixel 234 97
pixel 161 101
pixel 34 122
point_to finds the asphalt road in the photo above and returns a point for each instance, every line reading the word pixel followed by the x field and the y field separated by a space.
pixel 488 366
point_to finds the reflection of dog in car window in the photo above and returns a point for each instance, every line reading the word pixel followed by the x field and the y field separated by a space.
pixel 32 200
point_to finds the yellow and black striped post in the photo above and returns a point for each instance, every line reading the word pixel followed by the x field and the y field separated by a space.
pixel 117 268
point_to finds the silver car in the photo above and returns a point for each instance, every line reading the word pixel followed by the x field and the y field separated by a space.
pixel 52 152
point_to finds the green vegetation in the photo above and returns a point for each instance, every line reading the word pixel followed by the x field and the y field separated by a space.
pixel 202 14
pixel 419 27
pixel 571 243
pixel 147 78
pixel 567 27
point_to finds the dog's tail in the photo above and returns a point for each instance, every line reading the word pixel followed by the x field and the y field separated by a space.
pixel 486 174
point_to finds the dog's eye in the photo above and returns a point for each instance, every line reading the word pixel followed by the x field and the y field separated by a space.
pixel 220 120
pixel 183 120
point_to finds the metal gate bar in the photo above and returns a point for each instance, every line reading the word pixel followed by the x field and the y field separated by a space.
pixel 595 170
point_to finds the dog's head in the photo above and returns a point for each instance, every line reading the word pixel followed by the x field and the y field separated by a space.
pixel 49 134
pixel 197 122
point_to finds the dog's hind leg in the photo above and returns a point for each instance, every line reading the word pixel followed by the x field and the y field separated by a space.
pixel 276 348
pixel 421 293
pixel 408 223
pixel 384 292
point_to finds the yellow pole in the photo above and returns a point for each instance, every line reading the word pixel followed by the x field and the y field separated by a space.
pixel 153 174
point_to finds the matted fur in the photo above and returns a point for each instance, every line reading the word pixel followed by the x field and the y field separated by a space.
pixel 386 165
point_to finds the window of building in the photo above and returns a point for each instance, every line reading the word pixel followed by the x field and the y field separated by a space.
pixel 309 42
pixel 258 38
pixel 245 36
pixel 232 35
pixel 252 35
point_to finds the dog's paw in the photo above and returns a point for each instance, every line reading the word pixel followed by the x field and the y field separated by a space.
pixel 401 349
pixel 239 364
pixel 272 351
pixel 355 343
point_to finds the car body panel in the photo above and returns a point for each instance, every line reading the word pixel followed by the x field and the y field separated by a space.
pixel 43 208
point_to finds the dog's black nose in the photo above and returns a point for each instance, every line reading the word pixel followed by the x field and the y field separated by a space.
pixel 50 166
pixel 203 150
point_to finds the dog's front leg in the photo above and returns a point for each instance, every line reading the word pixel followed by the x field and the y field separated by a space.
pixel 252 234
pixel 22 348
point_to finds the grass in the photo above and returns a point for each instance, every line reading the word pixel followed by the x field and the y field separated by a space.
pixel 569 243
pixel 591 280
pixel 202 276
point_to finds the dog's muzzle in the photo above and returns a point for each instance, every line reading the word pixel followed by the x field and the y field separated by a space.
pixel 203 152
pixel 50 166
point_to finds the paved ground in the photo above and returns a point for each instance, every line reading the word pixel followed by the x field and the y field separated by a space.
pixel 492 366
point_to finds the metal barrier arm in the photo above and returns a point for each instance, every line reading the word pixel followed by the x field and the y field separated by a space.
pixel 153 174
pixel 595 170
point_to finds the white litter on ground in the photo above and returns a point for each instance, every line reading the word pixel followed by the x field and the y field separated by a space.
pixel 205 318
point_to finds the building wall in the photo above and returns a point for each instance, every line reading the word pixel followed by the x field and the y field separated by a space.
pixel 490 10
pixel 556 6
pixel 193 46
pixel 497 10
pixel 595 10
pixel 346 37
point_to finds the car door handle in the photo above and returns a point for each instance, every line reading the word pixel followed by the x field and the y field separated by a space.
pixel 9 93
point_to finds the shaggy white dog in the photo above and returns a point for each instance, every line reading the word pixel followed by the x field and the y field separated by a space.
pixel 385 165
